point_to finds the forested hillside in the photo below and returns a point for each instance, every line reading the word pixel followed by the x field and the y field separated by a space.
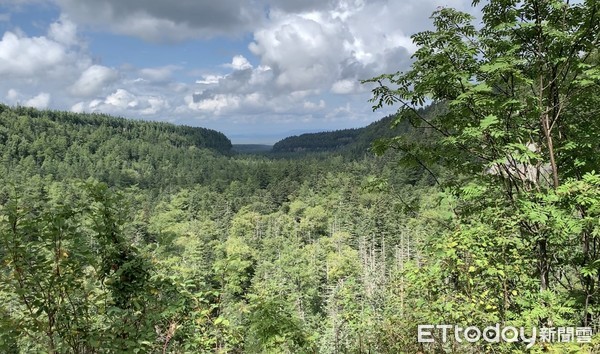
pixel 482 210
pixel 114 150
pixel 348 141
pixel 325 141
pixel 216 253
pixel 353 142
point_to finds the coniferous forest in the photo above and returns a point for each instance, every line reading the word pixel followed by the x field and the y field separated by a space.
pixel 477 204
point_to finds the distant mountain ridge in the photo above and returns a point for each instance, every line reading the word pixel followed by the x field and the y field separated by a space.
pixel 152 131
pixel 355 140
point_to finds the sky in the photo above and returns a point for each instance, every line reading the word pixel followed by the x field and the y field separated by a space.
pixel 256 70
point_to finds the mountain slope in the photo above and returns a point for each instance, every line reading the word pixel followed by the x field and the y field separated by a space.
pixel 353 142
pixel 115 150
pixel 356 140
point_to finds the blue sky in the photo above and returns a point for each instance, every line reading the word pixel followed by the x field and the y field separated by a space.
pixel 257 70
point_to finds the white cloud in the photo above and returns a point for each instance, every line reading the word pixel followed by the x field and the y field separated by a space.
pixel 314 106
pixel 12 95
pixel 309 52
pixel 94 104
pixel 40 101
pixel 122 99
pixel 165 20
pixel 159 74
pixel 155 105
pixel 343 112
pixel 50 63
pixel 93 80
pixel 344 86
pixel 210 79
pixel 214 104
pixel 29 56
pixel 239 62
pixel 303 50
pixel 63 31
pixel 335 49
pixel 124 102
pixel 78 107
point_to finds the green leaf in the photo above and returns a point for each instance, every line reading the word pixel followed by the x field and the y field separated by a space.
pixel 488 121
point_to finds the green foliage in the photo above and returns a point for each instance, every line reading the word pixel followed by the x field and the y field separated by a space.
pixel 136 237
pixel 517 250
pixel 116 151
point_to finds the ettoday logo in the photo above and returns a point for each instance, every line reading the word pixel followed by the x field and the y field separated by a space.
pixel 507 334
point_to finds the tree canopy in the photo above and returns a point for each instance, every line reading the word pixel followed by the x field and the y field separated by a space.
pixel 482 208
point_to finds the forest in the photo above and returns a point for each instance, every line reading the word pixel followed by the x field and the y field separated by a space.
pixel 477 204
pixel 346 141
